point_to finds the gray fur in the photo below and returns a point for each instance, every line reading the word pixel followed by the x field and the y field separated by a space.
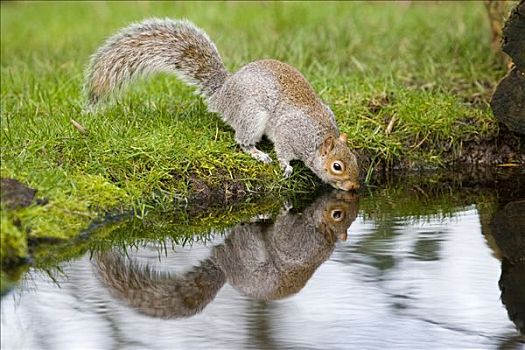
pixel 261 259
pixel 252 103
pixel 265 97
pixel 274 261
pixel 157 294
pixel 153 46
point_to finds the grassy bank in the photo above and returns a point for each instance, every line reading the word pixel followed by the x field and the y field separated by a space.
pixel 424 69
pixel 415 198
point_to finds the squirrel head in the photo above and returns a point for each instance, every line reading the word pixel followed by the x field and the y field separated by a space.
pixel 338 214
pixel 339 164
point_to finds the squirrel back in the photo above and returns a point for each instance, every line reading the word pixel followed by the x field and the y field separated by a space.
pixel 153 46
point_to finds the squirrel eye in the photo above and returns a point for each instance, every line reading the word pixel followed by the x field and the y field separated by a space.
pixel 337 167
pixel 337 215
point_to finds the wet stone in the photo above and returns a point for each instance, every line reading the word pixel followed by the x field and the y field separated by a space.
pixel 508 101
pixel 511 284
pixel 16 195
pixel 508 229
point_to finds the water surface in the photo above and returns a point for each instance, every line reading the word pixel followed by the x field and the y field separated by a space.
pixel 341 272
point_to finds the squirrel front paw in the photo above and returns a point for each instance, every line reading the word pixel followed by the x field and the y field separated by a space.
pixel 262 157
pixel 288 170
pixel 257 154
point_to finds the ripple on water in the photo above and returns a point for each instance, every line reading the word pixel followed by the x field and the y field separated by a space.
pixel 395 283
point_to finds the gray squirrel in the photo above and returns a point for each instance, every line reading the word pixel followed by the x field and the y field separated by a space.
pixel 265 97
pixel 262 260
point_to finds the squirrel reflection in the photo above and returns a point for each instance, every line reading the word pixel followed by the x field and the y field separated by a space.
pixel 263 260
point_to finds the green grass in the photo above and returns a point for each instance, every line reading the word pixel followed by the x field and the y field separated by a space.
pixel 370 61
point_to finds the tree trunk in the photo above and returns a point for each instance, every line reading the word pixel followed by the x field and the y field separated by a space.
pixel 514 36
pixel 497 10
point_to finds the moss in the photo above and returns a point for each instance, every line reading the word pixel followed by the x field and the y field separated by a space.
pixel 8 279
pixel 45 255
pixel 98 193
pixel 13 241
pixel 62 217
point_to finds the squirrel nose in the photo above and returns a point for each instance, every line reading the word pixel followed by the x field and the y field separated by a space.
pixel 349 186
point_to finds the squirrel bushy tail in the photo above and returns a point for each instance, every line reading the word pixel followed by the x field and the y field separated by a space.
pixel 155 45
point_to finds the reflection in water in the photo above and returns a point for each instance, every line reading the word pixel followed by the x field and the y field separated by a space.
pixel 411 275
pixel 508 230
pixel 262 259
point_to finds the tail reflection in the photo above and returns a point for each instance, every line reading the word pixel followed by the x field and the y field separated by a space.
pixel 263 260
pixel 160 294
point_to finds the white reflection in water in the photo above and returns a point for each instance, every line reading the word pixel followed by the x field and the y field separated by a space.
pixel 430 283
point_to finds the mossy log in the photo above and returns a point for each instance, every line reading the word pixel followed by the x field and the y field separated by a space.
pixel 15 194
pixel 497 11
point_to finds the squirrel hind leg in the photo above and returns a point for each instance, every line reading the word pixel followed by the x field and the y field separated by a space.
pixel 288 170
pixel 257 154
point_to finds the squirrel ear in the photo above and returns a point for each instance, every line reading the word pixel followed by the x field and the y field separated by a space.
pixel 343 137
pixel 327 145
